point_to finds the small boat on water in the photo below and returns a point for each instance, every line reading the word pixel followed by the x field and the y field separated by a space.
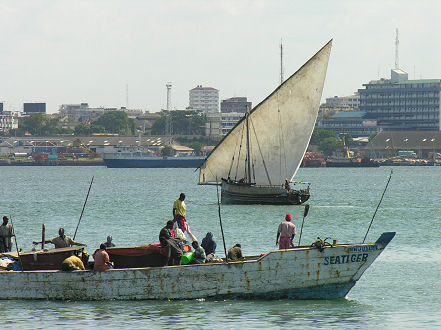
pixel 266 147
pixel 304 272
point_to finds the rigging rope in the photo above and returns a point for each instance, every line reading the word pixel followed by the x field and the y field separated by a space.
pixel 260 151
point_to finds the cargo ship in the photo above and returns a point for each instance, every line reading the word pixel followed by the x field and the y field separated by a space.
pixel 142 157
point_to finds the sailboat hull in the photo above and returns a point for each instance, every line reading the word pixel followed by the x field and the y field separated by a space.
pixel 237 193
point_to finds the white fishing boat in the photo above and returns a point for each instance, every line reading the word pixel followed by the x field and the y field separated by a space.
pixel 267 146
pixel 304 272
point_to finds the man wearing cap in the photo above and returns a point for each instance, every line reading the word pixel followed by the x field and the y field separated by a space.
pixel 6 232
pixel 287 230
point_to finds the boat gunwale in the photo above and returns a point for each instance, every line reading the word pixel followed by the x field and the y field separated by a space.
pixel 247 260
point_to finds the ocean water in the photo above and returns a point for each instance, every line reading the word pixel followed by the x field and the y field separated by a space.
pixel 400 290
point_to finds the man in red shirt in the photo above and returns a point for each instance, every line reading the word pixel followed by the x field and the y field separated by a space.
pixel 102 260
pixel 287 230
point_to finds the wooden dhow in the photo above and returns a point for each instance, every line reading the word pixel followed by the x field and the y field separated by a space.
pixel 304 272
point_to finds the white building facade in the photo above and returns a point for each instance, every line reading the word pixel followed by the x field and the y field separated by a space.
pixel 204 99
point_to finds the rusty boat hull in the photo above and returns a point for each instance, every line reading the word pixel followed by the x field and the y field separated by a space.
pixel 297 273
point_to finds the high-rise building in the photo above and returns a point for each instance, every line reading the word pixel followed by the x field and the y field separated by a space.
pixel 400 104
pixel 204 99
pixel 235 104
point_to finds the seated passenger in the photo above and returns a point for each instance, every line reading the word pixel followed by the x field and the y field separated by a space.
pixel 198 254
pixel 109 243
pixel 235 253
pixel 72 263
pixel 209 244
pixel 102 260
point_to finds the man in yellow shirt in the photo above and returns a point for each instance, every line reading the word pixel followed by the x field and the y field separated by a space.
pixel 179 212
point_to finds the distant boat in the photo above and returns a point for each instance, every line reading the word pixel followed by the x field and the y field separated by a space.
pixel 142 157
pixel 266 147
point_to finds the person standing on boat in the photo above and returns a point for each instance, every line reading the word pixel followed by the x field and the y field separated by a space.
pixel 287 230
pixel 179 212
pixel 170 244
pixel 102 260
pixel 6 234
pixel 62 240
pixel 287 186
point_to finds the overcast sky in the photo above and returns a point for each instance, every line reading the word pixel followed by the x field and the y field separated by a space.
pixel 73 51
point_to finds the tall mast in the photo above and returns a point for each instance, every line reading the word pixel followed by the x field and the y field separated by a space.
pixel 248 147
pixel 397 42
pixel 281 62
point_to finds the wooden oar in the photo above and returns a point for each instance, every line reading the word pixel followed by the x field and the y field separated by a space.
pixel 305 213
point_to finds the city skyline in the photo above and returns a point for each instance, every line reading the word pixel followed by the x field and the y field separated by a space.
pixel 89 51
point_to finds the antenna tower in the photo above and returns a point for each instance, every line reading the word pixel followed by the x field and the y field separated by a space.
pixel 281 62
pixel 397 42
pixel 127 96
pixel 169 86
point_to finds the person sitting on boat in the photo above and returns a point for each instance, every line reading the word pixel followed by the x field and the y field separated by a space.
pixel 102 260
pixel 62 240
pixel 6 234
pixel 235 253
pixel 169 243
pixel 287 230
pixel 287 186
pixel 72 263
pixel 198 253
pixel 109 243
pixel 209 244
pixel 179 212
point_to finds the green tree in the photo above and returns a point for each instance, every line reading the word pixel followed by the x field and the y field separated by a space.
pixel 320 134
pixel 167 150
pixel 372 136
pixel 117 122
pixel 197 146
pixel 183 123
pixel 330 145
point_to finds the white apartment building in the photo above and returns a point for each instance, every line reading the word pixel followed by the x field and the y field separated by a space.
pixel 8 121
pixel 204 99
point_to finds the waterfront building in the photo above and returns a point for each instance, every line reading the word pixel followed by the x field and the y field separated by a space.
pixel 235 104
pixel 336 104
pixel 213 130
pixel 8 121
pixel 204 99
pixel 356 123
pixel 71 114
pixel 400 104
pixel 390 144
pixel 229 120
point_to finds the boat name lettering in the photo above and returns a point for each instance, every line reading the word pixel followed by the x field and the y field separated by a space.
pixel 363 248
pixel 344 259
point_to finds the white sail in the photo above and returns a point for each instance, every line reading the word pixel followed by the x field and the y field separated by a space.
pixel 279 130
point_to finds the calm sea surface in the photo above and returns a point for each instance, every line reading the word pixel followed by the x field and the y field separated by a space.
pixel 400 290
